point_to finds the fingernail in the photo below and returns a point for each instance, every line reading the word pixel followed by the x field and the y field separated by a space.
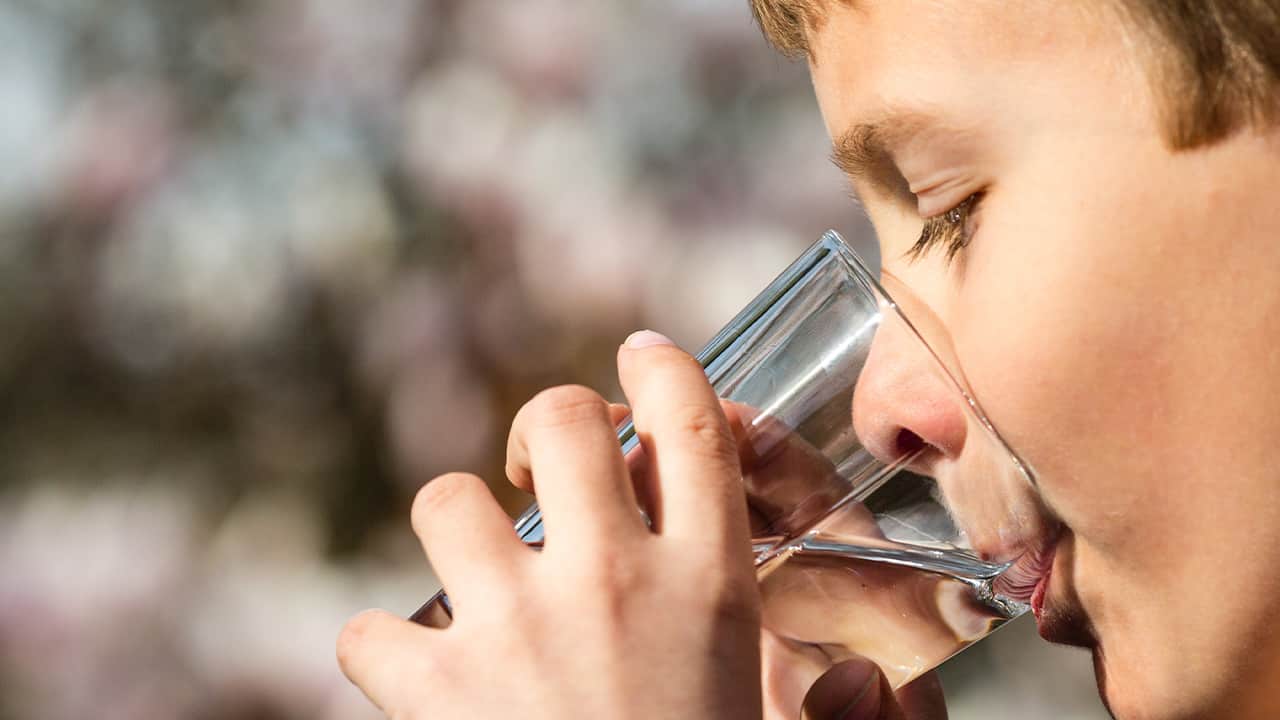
pixel 646 338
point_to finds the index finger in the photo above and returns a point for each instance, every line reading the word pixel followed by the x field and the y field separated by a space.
pixel 695 481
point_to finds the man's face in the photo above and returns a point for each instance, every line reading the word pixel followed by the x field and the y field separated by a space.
pixel 1116 310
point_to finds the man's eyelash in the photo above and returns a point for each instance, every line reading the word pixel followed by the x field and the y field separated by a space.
pixel 949 230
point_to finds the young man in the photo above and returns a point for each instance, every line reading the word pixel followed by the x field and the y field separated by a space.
pixel 1113 294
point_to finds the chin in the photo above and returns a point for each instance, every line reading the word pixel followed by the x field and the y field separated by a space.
pixel 1119 697
pixel 1131 698
pixel 1104 687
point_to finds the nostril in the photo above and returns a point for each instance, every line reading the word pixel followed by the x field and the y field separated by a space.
pixel 903 406
pixel 906 443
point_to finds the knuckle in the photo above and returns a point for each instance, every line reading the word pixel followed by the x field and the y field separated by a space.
pixel 439 494
pixel 566 405
pixel 609 572
pixel 706 433
pixel 609 589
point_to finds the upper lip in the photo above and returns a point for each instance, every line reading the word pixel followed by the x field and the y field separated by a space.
pixel 1034 565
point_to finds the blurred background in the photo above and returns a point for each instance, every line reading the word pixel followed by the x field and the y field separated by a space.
pixel 265 268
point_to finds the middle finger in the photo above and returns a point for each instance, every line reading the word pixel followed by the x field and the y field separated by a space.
pixel 566 438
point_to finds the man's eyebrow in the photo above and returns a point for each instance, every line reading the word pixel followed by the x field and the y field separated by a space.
pixel 864 152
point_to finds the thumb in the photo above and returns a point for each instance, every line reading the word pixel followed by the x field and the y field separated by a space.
pixel 852 690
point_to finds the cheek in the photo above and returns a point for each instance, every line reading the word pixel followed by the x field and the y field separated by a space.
pixel 1126 350
pixel 1071 361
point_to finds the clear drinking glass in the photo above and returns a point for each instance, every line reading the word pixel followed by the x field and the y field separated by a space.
pixel 856 553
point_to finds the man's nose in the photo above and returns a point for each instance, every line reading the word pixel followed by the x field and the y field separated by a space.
pixel 903 402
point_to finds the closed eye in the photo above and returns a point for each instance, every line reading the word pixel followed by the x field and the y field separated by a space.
pixel 951 230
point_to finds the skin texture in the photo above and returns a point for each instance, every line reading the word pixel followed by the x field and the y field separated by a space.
pixel 1116 311
pixel 586 628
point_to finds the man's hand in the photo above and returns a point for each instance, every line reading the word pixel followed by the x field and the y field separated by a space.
pixel 612 619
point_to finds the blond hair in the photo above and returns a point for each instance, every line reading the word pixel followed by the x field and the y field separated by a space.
pixel 1215 65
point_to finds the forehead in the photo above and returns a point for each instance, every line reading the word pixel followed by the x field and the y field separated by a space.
pixel 869 54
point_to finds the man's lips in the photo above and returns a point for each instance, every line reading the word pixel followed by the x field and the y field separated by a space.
pixel 1059 616
pixel 1026 579
pixel 1030 579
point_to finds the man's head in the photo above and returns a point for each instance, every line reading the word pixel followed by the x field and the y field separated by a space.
pixel 1110 277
